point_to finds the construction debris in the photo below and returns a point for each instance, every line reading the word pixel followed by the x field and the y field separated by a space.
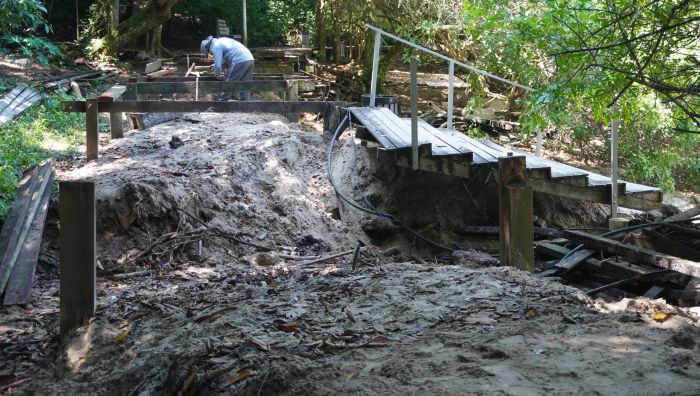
pixel 20 239
pixel 17 101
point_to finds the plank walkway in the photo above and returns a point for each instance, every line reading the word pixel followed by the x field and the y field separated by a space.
pixel 393 133
pixel 17 101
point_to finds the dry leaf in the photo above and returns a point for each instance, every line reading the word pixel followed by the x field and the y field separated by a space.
pixel 532 314
pixel 243 374
pixel 283 325
pixel 121 336
pixel 260 344
pixel 379 328
pixel 660 316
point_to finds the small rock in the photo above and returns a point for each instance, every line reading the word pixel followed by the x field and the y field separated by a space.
pixel 473 258
pixel 683 340
pixel 176 142
pixel 267 259
pixel 392 251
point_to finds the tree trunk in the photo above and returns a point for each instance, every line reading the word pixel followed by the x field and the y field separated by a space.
pixel 385 63
pixel 156 46
pixel 114 22
pixel 152 16
pixel 321 30
pixel 336 36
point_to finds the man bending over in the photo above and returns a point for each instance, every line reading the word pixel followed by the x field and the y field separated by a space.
pixel 235 56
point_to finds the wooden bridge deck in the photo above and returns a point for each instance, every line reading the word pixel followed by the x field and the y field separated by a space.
pixel 453 153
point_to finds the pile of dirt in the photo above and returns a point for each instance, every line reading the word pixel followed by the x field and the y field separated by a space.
pixel 229 222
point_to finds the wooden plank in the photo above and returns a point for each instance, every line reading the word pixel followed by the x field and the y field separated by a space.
pixel 160 73
pixel 44 176
pixel 18 104
pixel 439 146
pixel 19 286
pixel 635 253
pixel 92 137
pixel 361 116
pixel 146 106
pixel 77 241
pixel 393 132
pixel 654 292
pixel 515 214
pixel 574 260
pixel 12 226
pixel 589 194
pixel 10 97
pixel 153 66
pixel 147 120
pixel 112 94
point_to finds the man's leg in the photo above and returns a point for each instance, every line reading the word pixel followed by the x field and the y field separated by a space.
pixel 241 72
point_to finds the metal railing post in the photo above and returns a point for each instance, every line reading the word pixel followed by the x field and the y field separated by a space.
pixel 375 67
pixel 538 144
pixel 614 124
pixel 414 113
pixel 450 94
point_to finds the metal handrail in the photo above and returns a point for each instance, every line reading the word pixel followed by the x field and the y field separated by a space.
pixel 456 62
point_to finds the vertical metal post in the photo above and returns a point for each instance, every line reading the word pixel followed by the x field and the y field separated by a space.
pixel 76 211
pixel 245 25
pixel 375 68
pixel 614 124
pixel 538 144
pixel 450 94
pixel 414 113
pixel 196 88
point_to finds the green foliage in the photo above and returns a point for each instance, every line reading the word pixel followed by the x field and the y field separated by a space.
pixel 269 21
pixel 43 131
pixel 20 20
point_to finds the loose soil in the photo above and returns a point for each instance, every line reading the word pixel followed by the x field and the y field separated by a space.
pixel 227 213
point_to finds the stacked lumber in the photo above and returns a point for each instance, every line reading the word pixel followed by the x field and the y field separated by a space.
pixel 20 238
pixel 657 260
pixel 16 102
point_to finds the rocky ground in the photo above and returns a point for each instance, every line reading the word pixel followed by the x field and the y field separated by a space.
pixel 210 229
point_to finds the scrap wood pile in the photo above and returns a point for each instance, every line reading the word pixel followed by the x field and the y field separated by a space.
pixel 20 239
pixel 650 259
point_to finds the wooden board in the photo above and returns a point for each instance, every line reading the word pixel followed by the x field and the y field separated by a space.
pixel 153 66
pixel 146 106
pixel 636 254
pixel 19 103
pixel 19 287
pixel 13 223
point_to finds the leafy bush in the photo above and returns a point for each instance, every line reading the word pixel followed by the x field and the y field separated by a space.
pixel 43 131
pixel 20 21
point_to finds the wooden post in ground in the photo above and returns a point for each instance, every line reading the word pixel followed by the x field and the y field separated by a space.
pixel 515 214
pixel 115 125
pixel 292 96
pixel 77 253
pixel 92 136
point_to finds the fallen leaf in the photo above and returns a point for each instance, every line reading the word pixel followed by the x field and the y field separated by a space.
pixel 260 344
pixel 532 314
pixel 121 336
pixel 379 328
pixel 289 326
pixel 243 374
pixel 660 316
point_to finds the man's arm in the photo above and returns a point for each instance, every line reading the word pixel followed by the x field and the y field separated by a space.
pixel 218 53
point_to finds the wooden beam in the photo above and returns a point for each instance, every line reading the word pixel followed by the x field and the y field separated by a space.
pixel 591 193
pixel 208 87
pixel 636 254
pixel 77 254
pixel 112 94
pixel 153 66
pixel 515 214
pixel 146 106
pixel 428 163
pixel 91 127
pixel 292 94
pixel 116 125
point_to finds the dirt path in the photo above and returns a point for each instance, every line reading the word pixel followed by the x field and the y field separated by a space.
pixel 219 316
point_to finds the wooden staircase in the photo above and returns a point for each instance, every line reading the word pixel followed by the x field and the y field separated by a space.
pixel 453 153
